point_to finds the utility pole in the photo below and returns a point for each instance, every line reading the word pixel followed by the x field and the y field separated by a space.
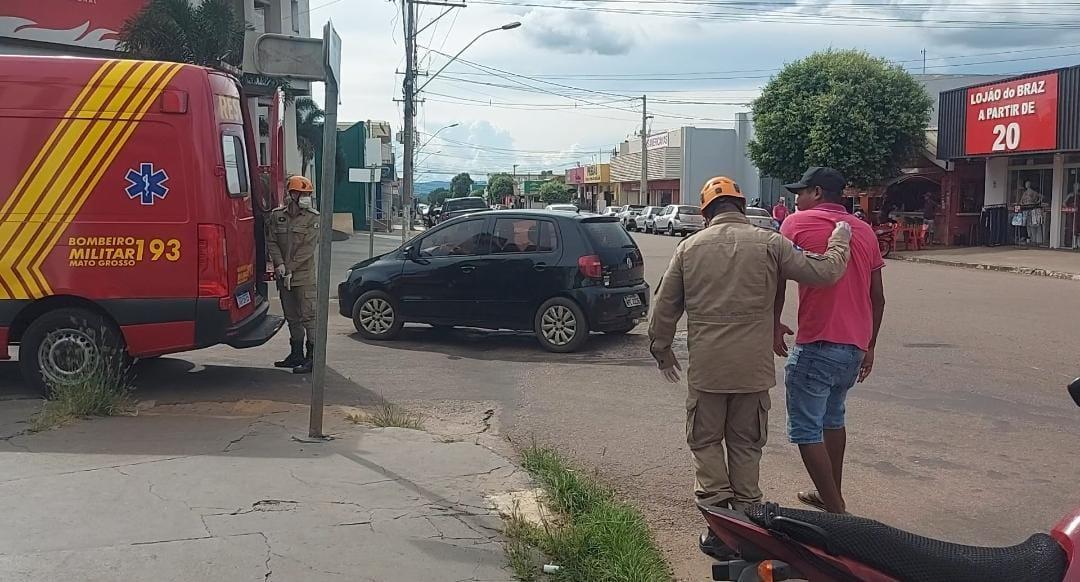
pixel 409 10
pixel 644 198
pixel 924 61
pixel 410 91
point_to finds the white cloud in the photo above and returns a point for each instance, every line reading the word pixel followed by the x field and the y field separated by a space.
pixel 738 54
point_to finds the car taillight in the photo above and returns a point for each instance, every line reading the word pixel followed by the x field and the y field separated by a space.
pixel 213 274
pixel 590 266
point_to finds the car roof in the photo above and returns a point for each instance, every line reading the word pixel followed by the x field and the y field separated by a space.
pixel 554 214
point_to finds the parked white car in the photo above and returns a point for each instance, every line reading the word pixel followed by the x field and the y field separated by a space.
pixel 761 217
pixel 679 219
pixel 647 219
pixel 561 207
pixel 628 214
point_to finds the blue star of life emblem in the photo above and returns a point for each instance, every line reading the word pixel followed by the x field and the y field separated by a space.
pixel 147 184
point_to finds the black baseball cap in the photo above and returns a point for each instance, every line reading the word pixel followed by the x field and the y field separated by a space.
pixel 827 178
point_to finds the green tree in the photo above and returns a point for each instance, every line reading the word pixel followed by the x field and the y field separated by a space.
pixel 207 33
pixel 555 192
pixel 843 109
pixel 499 187
pixel 438 196
pixel 461 184
pixel 203 33
pixel 477 193
pixel 309 124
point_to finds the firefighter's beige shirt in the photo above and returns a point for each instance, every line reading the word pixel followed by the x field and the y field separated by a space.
pixel 725 279
pixel 292 241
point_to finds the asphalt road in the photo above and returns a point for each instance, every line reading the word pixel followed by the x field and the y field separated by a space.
pixel 963 432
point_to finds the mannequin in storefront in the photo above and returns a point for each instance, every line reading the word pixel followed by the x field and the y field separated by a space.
pixel 1031 205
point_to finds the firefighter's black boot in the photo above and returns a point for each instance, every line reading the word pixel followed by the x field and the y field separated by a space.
pixel 295 357
pixel 308 363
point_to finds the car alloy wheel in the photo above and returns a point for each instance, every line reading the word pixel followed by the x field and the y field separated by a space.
pixel 377 316
pixel 559 325
pixel 670 230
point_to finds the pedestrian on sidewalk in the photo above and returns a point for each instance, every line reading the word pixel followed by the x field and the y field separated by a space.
pixel 780 210
pixel 838 329
pixel 724 278
pixel 292 235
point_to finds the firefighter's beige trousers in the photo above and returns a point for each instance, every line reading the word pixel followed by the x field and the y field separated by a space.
pixel 739 420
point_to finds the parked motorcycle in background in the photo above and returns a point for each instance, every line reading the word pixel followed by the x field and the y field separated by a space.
pixel 769 543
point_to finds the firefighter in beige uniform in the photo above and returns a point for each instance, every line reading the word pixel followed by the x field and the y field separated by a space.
pixel 724 277
pixel 292 237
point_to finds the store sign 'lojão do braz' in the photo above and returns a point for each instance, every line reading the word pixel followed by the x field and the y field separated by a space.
pixel 1012 116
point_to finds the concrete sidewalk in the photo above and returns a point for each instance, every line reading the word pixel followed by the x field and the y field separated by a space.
pixel 236 491
pixel 1059 264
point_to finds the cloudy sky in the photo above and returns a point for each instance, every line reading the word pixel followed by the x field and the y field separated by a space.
pixel 560 89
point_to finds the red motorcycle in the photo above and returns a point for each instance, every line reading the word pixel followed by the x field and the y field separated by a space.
pixel 886 238
pixel 770 543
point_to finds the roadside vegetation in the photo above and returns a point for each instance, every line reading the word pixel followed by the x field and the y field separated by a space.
pixel 387 415
pixel 594 538
pixel 107 391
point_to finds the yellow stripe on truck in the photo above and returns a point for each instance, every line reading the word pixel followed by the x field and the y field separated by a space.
pixel 120 131
pixel 61 178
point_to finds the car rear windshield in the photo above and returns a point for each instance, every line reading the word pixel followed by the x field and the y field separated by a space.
pixel 607 235
pixel 691 210
pixel 635 207
pixel 465 204
pixel 757 212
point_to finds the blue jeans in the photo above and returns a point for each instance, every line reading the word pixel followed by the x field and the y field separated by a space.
pixel 819 375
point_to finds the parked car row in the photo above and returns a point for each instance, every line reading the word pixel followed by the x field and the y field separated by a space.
pixel 673 219
pixel 681 219
pixel 558 274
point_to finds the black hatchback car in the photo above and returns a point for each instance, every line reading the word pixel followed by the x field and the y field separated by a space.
pixel 557 274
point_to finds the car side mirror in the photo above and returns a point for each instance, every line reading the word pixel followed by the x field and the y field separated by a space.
pixel 1074 391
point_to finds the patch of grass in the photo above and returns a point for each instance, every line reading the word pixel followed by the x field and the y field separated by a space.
pixel 388 415
pixel 602 539
pixel 105 392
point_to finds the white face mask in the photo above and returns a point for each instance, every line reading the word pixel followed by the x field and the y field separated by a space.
pixel 304 202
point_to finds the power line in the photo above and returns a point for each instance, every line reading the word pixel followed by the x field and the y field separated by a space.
pixel 772 15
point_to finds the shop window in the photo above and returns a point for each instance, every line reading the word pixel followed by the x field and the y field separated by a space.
pixel 1070 226
pixel 1072 159
pixel 1031 161
pixel 972 196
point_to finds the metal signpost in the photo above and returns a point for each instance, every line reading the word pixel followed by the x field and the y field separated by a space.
pixel 313 59
pixel 368 176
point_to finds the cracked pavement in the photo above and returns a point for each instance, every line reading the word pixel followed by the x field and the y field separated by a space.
pixel 233 491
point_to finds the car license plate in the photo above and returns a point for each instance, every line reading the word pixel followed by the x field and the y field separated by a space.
pixel 632 301
pixel 243 299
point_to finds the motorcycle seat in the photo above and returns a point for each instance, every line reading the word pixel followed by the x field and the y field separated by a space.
pixel 907 556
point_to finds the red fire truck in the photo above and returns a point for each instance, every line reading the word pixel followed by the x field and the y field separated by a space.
pixel 127 221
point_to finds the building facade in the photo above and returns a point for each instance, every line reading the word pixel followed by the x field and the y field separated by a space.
pixel 91 28
pixel 596 192
pixel 680 161
pixel 1025 132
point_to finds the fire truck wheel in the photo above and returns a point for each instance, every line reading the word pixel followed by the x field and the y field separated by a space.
pixel 71 346
pixel 376 316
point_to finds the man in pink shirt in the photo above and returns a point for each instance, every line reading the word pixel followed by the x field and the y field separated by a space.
pixel 838 328
pixel 780 211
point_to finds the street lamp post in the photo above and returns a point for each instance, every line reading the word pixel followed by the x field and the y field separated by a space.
pixel 423 145
pixel 410 106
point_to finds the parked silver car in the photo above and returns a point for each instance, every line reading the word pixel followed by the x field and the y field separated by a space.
pixel 647 219
pixel 761 217
pixel 679 219
pixel 628 214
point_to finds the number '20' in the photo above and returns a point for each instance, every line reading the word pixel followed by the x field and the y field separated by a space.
pixel 1007 137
